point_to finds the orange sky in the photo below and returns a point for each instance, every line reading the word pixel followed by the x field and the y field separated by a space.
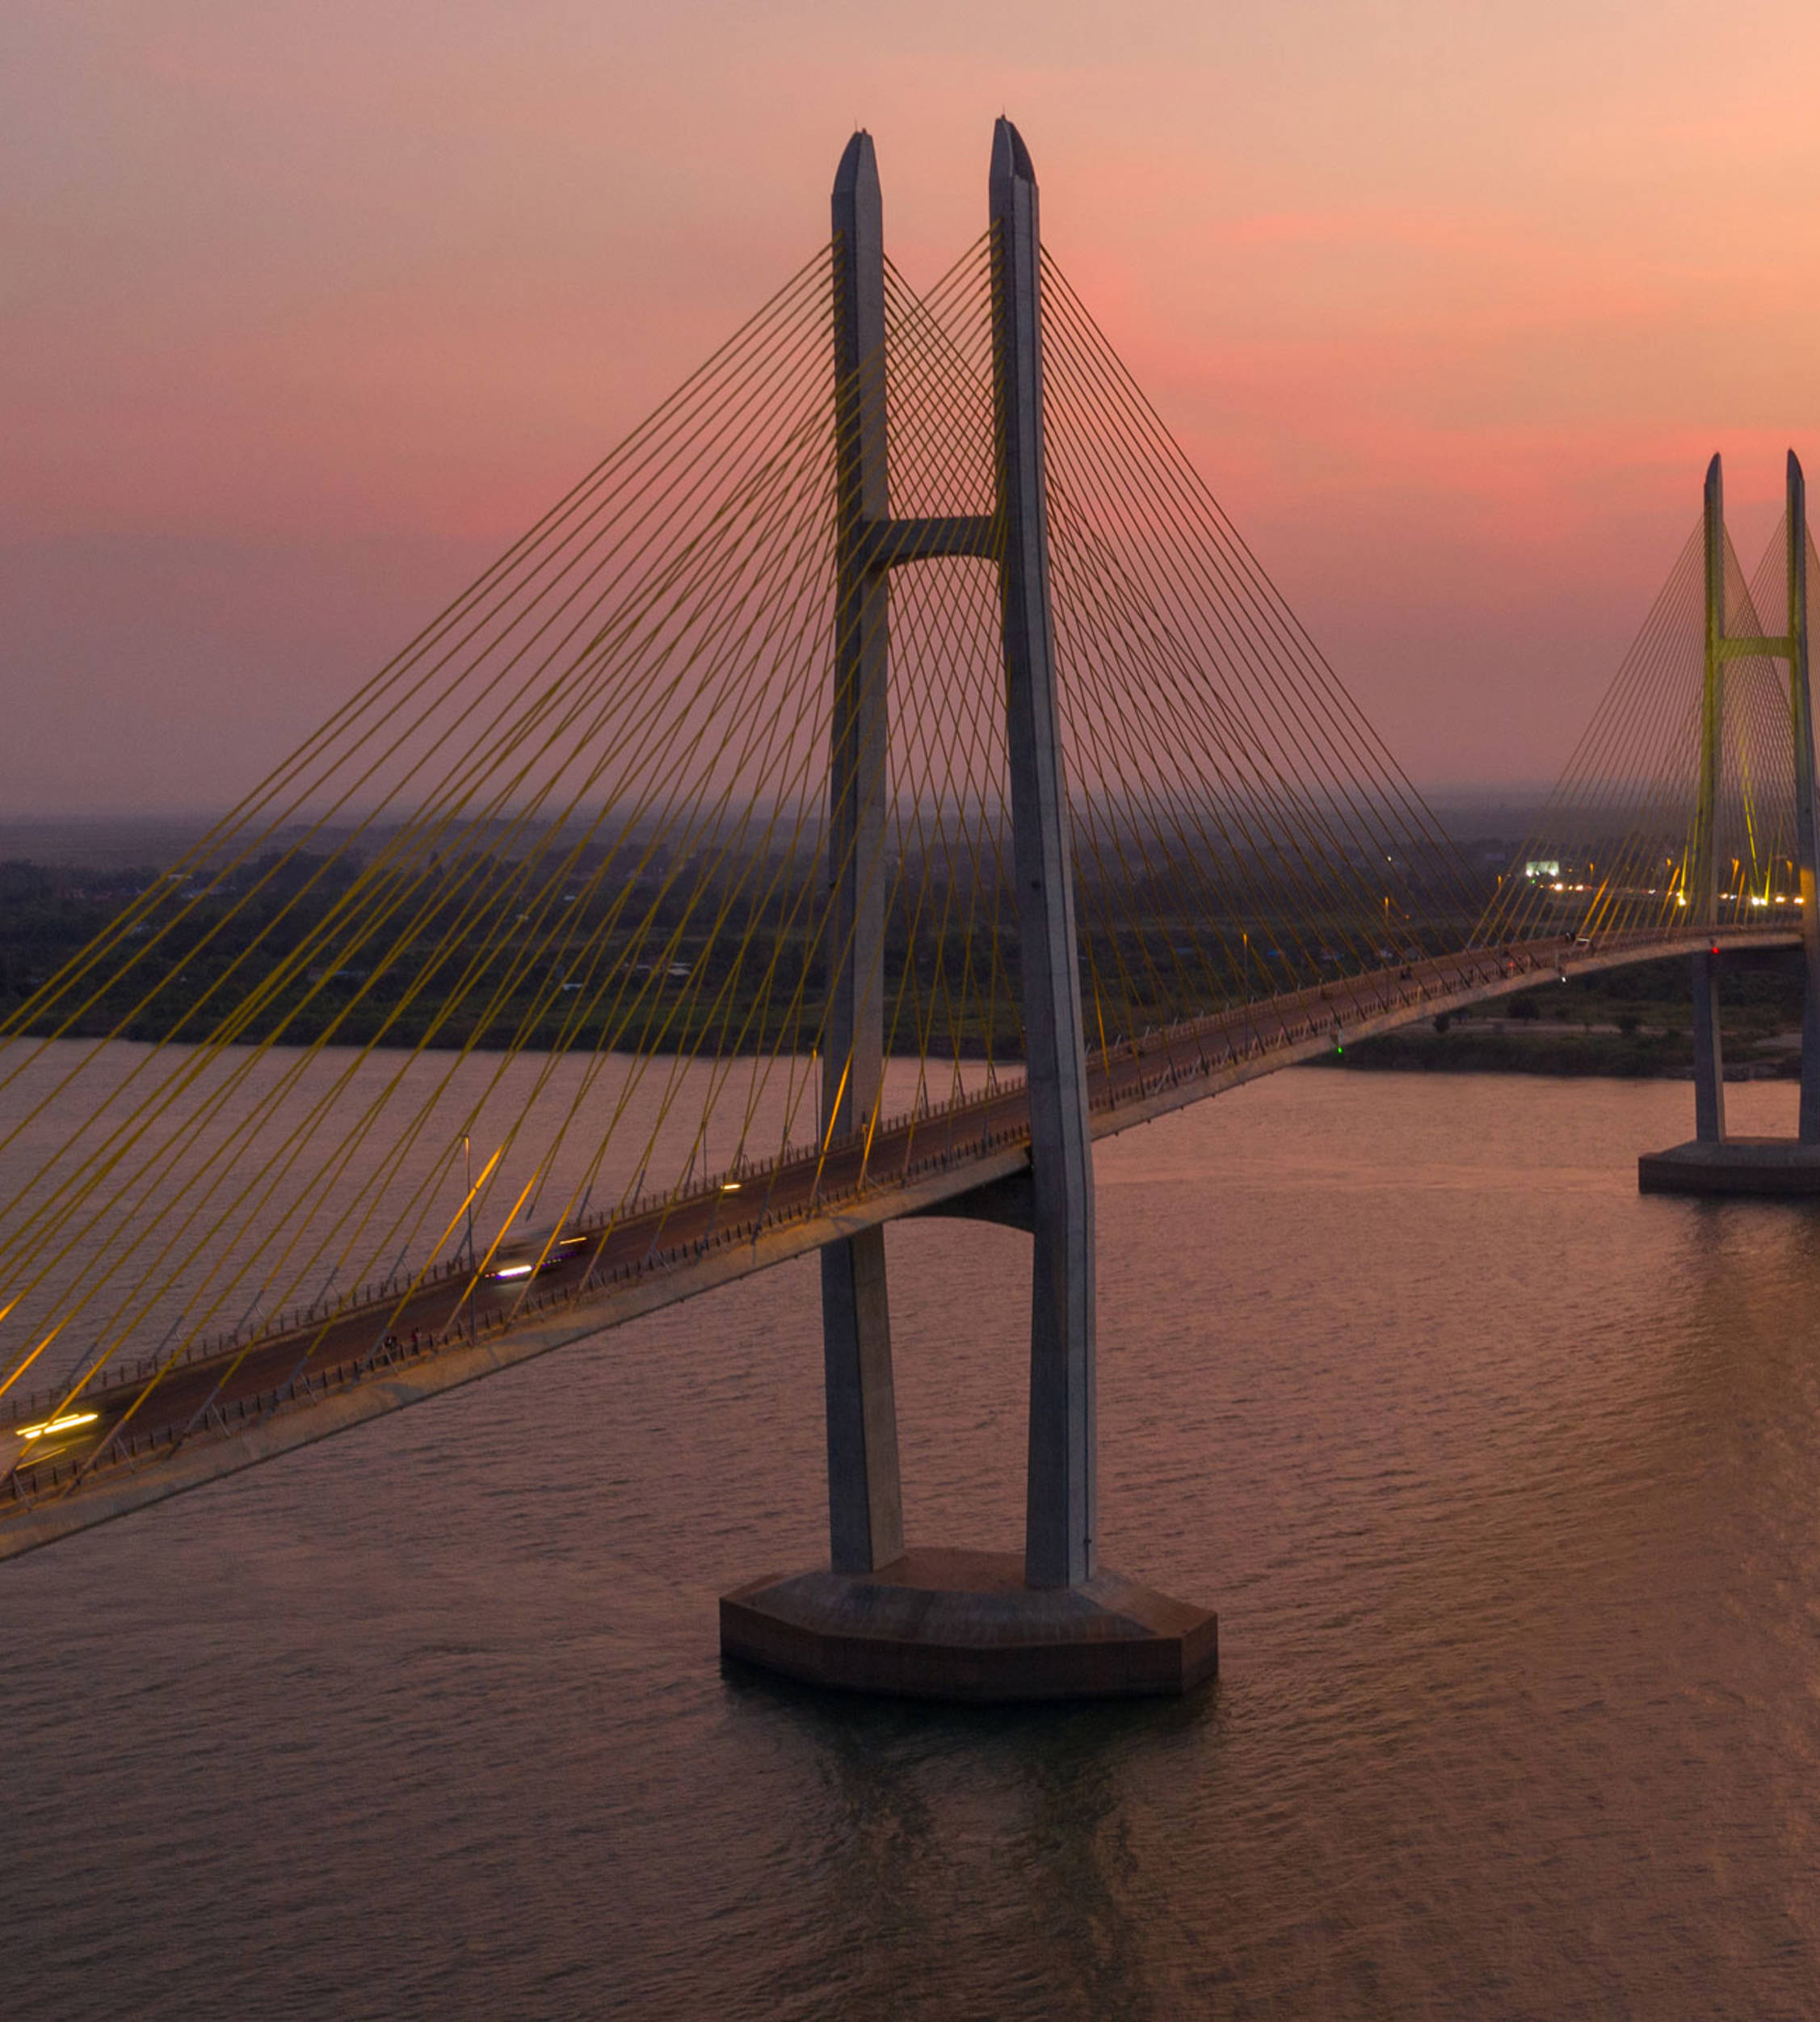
pixel 308 309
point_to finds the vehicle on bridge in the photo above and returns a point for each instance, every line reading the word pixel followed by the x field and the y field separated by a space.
pixel 534 1252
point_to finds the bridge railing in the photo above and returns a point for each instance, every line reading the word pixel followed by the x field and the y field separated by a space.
pixel 1107 1093
pixel 1247 1033
pixel 1270 1023
pixel 313 1385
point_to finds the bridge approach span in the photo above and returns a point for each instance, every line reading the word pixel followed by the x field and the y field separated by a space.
pixel 249 1401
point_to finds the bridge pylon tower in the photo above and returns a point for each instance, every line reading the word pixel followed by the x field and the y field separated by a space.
pixel 1714 1162
pixel 954 1624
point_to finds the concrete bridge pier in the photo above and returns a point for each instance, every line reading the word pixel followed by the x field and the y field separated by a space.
pixel 1709 1064
pixel 1713 1162
pixel 948 1623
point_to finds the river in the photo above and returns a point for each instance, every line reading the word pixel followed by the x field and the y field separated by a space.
pixel 1504 1480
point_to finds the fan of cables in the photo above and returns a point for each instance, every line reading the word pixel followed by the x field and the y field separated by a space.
pixel 1618 848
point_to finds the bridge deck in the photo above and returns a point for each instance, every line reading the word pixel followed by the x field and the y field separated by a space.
pixel 153 1435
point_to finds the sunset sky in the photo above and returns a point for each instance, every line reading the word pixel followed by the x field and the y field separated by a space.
pixel 308 309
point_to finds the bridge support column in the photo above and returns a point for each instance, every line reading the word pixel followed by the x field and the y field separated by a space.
pixel 1807 819
pixel 1713 1162
pixel 928 1623
pixel 865 1502
pixel 1709 1068
pixel 1059 1520
pixel 1703 880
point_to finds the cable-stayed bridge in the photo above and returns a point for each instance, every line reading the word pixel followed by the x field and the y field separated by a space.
pixel 886 773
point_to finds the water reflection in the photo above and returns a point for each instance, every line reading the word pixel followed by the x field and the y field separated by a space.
pixel 1501 1477
pixel 927 1802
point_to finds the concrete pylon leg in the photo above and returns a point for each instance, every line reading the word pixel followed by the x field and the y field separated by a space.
pixel 1059 1542
pixel 1709 1070
pixel 1703 883
pixel 865 1512
pixel 1807 1130
pixel 865 1499
pixel 1807 818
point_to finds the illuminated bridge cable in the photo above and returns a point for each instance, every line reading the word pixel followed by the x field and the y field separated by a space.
pixel 1622 820
pixel 202 859
pixel 1286 793
pixel 1341 740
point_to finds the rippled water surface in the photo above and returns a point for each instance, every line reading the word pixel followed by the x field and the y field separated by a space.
pixel 1505 1483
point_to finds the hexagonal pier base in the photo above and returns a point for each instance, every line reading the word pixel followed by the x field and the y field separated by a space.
pixel 957 1625
pixel 1781 1165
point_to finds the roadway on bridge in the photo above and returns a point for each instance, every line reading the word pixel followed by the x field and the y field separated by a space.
pixel 222 1392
